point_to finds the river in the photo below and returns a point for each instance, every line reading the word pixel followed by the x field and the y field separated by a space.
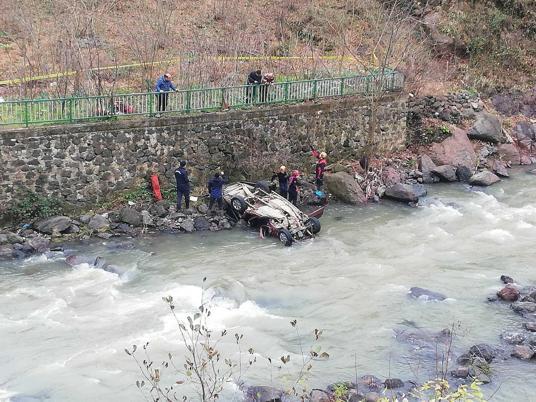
pixel 63 331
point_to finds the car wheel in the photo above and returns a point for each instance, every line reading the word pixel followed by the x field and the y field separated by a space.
pixel 238 204
pixel 315 224
pixel 263 185
pixel 285 237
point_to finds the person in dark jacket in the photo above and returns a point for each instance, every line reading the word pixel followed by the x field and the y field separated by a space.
pixel 282 177
pixel 320 167
pixel 163 87
pixel 183 186
pixel 254 80
pixel 293 187
pixel 215 190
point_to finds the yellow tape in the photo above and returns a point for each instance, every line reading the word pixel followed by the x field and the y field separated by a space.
pixel 219 58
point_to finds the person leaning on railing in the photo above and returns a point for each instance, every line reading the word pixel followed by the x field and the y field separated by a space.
pixel 162 89
pixel 254 79
pixel 267 80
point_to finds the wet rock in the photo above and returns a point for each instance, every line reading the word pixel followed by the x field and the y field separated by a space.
pixel 318 395
pixel 446 172
pixel 509 153
pixel 104 235
pixel 465 359
pixel 426 166
pixel 130 216
pixel 345 188
pixel 114 216
pixel 500 169
pixel 460 372
pixel 484 178
pixel 10 238
pixel 6 251
pixel 463 173
pixel 201 223
pixel 98 223
pixel 370 383
pixel 393 383
pixel 482 377
pixel 263 394
pixel 425 294
pixel 147 219
pixel 73 229
pixel 523 352
pixel 159 209
pixel 372 397
pixel 53 225
pixel 406 192
pixel 203 209
pixel 524 307
pixel 513 338
pixel 39 244
pixel 530 326
pixel 507 279
pixel 533 171
pixel 508 293
pixel 486 128
pixel 187 225
pixel 456 150
pixel 484 351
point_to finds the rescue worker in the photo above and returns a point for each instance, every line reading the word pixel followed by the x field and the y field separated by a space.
pixel 282 177
pixel 183 186
pixel 293 187
pixel 320 167
pixel 215 190
pixel 254 79
pixel 163 87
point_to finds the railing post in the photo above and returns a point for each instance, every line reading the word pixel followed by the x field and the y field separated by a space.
pixel 392 81
pixel 314 88
pixel 341 89
pixel 70 110
pixel 188 101
pixel 286 92
pixel 367 90
pixel 26 113
pixel 151 95
pixel 222 98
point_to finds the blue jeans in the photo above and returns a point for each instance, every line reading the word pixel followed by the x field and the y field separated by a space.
pixel 180 193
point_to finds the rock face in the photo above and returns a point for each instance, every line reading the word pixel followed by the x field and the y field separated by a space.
pixel 98 223
pixel 406 192
pixel 345 188
pixel 508 293
pixel 426 166
pixel 446 172
pixel 484 178
pixel 425 294
pixel 486 128
pixel 131 216
pixel 56 224
pixel 456 150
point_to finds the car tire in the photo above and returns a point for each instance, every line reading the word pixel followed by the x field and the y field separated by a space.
pixel 315 224
pixel 238 204
pixel 263 185
pixel 285 237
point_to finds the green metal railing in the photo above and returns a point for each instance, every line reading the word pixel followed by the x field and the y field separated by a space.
pixel 77 109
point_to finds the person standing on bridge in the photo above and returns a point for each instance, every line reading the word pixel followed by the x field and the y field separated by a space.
pixel 183 186
pixel 162 88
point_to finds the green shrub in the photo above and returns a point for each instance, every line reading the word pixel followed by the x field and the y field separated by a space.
pixel 30 206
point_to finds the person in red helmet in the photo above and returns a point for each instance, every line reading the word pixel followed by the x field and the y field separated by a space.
pixel 293 186
pixel 320 167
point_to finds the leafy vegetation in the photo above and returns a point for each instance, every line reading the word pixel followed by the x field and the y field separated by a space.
pixel 30 206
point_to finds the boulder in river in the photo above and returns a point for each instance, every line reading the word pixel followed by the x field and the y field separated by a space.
pixel 456 150
pixel 98 223
pixel 201 223
pixel 509 153
pixel 484 178
pixel 6 251
pixel 486 128
pixel 523 352
pixel 526 309
pixel 446 172
pixel 187 225
pixel 263 394
pixel 513 338
pixel 484 351
pixel 426 166
pixel 507 279
pixel 508 293
pixel 499 167
pixel 460 372
pixel 406 192
pixel 39 244
pixel 10 238
pixel 345 188
pixel 530 326
pixel 53 225
pixel 425 294
pixel 393 383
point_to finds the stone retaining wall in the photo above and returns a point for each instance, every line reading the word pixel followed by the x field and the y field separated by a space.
pixel 83 163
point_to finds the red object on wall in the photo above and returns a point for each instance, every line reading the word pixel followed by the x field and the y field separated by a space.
pixel 156 188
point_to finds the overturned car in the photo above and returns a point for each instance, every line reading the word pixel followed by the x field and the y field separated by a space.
pixel 272 214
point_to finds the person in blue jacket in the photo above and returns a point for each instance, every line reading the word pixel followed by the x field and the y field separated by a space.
pixel 215 190
pixel 183 186
pixel 163 87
